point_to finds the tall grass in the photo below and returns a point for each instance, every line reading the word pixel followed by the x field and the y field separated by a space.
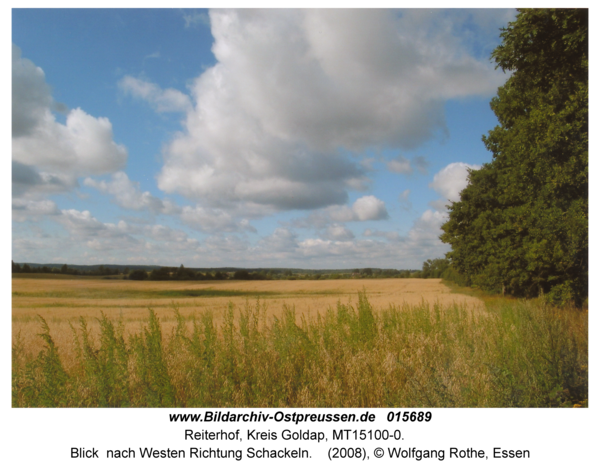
pixel 517 354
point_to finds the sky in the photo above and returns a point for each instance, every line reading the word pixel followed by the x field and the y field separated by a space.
pixel 247 138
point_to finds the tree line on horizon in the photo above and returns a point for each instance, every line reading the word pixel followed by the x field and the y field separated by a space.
pixel 182 273
pixel 101 270
pixel 164 273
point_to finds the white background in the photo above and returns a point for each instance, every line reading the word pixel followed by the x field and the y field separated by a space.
pixel 37 438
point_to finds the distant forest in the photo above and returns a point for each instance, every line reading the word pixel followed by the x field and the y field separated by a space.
pixel 431 269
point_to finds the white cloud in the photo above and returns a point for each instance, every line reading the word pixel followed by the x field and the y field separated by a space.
pixel 82 222
pixel 57 153
pixel 421 164
pixel 400 165
pixel 213 220
pixel 23 209
pixel 162 233
pixel 451 180
pixel 196 18
pixel 282 241
pixel 404 199
pixel 82 146
pixel 86 230
pixel 363 209
pixel 427 227
pixel 423 240
pixel 127 194
pixel 405 166
pixel 27 181
pixel 90 240
pixel 169 245
pixel 30 94
pixel 295 92
pixel 338 232
pixel 317 248
pixel 228 247
pixel 396 251
pixel 439 204
pixel 163 101
pixel 392 236
pixel 124 242
pixel 369 208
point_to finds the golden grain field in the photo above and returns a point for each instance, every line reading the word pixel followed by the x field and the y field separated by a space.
pixel 303 343
pixel 62 302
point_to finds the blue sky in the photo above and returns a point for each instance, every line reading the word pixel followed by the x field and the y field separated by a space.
pixel 266 138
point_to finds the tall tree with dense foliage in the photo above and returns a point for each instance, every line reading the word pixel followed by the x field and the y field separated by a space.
pixel 521 224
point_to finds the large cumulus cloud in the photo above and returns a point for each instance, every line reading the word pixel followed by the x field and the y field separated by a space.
pixel 296 93
pixel 49 156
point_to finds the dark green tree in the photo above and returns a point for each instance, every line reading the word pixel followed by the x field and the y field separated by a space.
pixel 138 275
pixel 184 273
pixel 16 267
pixel 366 272
pixel 161 274
pixel 522 222
pixel 241 274
pixel 434 269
